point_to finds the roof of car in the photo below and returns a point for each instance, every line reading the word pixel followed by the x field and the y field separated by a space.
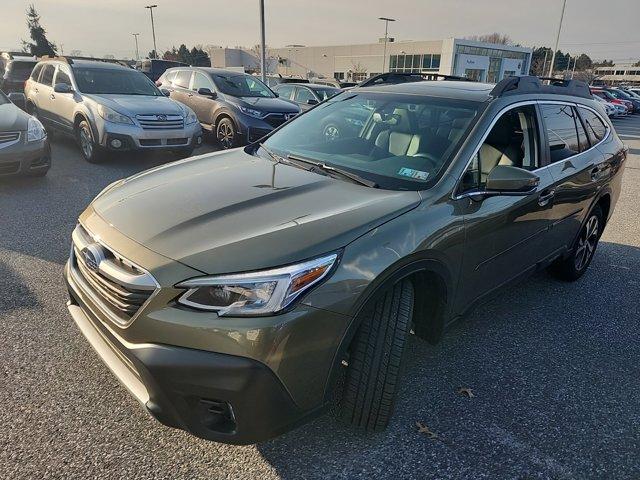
pixel 310 85
pixel 213 70
pixel 97 64
pixel 450 89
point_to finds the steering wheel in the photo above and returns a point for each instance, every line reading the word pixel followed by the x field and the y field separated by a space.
pixel 435 162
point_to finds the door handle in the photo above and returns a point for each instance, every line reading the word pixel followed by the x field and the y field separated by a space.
pixel 52 96
pixel 190 95
pixel 546 197
pixel 596 172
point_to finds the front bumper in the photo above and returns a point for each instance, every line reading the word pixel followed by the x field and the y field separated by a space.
pixel 133 137
pixel 25 158
pixel 214 396
pixel 252 129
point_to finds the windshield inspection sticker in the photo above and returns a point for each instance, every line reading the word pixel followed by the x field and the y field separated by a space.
pixel 410 172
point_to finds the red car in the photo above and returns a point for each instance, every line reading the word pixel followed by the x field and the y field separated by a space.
pixel 609 97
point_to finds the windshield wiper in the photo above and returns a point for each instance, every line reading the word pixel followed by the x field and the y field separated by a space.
pixel 333 171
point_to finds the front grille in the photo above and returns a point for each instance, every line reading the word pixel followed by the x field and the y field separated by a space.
pixel 9 138
pixel 9 168
pixel 120 288
pixel 160 122
pixel 277 119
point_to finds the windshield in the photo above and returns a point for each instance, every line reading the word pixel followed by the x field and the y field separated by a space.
pixel 324 93
pixel 104 81
pixel 242 86
pixel 400 142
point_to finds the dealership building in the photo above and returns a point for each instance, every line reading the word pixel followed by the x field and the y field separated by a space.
pixel 618 75
pixel 485 62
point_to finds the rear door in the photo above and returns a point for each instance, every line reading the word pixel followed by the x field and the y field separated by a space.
pixel 574 165
pixel 181 84
pixel 44 90
pixel 203 105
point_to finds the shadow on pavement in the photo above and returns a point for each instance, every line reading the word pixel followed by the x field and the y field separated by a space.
pixel 549 362
pixel 15 293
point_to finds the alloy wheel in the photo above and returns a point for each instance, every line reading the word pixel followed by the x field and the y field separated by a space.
pixel 586 243
pixel 225 135
pixel 86 142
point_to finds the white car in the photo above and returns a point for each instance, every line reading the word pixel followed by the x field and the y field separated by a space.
pixel 610 108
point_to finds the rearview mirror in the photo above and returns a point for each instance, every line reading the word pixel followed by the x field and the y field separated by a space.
pixel 62 88
pixel 508 180
pixel 207 92
pixel 18 99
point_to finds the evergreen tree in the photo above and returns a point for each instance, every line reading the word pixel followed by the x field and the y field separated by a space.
pixel 40 45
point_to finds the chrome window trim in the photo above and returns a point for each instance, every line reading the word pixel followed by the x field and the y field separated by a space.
pixel 455 196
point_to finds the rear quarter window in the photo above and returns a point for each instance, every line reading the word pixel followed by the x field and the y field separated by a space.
pixel 596 129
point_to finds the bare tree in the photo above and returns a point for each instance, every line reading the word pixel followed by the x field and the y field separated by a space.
pixel 495 37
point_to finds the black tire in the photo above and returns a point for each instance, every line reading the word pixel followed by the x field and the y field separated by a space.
pixel 576 263
pixel 375 361
pixel 226 134
pixel 91 151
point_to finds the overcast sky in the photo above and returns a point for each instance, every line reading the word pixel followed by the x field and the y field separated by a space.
pixel 603 29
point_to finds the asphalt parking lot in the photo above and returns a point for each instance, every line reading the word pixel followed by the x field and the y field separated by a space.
pixel 553 367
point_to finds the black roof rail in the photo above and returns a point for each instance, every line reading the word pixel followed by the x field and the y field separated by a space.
pixel 393 78
pixel 531 84
pixel 58 58
pixel 70 59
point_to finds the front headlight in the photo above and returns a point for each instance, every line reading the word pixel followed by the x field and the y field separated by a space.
pixel 35 130
pixel 256 293
pixel 189 117
pixel 251 112
pixel 111 115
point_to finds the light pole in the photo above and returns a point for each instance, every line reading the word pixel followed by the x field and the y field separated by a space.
pixel 263 53
pixel 386 32
pixel 553 57
pixel 135 35
pixel 153 29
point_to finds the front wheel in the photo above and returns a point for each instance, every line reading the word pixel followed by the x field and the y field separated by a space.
pixel 375 359
pixel 573 267
pixel 89 148
pixel 226 134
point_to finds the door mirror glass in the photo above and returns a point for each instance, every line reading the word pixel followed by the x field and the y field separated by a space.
pixel 312 101
pixel 62 88
pixel 207 92
pixel 511 180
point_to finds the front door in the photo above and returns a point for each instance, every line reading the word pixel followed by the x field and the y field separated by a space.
pixel 203 105
pixel 504 234
pixel 63 104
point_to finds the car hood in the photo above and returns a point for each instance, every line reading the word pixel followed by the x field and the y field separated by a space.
pixel 12 118
pixel 139 104
pixel 274 105
pixel 231 211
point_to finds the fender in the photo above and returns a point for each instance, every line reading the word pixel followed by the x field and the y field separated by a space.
pixel 86 115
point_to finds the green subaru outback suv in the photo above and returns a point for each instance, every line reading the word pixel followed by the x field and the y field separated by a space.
pixel 235 293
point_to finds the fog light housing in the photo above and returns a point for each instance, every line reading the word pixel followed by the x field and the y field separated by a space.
pixel 115 143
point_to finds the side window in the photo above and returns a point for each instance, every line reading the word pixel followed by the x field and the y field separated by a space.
pixel 182 79
pixel 514 140
pixel 596 129
pixel 582 135
pixel 285 91
pixel 170 76
pixel 36 72
pixel 303 95
pixel 47 74
pixel 201 81
pixel 62 77
pixel 560 124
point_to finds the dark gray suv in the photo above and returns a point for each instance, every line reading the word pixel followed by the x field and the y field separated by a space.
pixel 237 108
pixel 231 292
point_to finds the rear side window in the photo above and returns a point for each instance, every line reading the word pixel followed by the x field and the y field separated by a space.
pixel 36 72
pixel 182 79
pixel 596 129
pixel 47 74
pixel 582 135
pixel 560 124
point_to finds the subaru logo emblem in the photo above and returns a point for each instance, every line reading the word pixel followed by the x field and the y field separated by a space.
pixel 92 256
pixel 162 118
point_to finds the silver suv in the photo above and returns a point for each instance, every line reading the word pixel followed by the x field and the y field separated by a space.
pixel 109 107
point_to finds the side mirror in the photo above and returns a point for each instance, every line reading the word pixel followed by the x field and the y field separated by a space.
pixel 276 94
pixel 207 92
pixel 312 101
pixel 508 180
pixel 18 99
pixel 165 92
pixel 62 88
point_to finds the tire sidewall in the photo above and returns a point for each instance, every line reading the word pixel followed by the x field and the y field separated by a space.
pixel 85 126
pixel 229 123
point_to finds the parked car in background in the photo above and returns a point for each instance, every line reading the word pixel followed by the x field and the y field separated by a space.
pixel 611 109
pixel 621 94
pixel 273 80
pixel 262 283
pixel 24 146
pixel 331 82
pixel 611 98
pixel 14 71
pixel 236 107
pixel 155 67
pixel 305 95
pixel 109 108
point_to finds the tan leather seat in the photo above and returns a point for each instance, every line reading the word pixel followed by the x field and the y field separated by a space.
pixel 401 139
pixel 500 148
